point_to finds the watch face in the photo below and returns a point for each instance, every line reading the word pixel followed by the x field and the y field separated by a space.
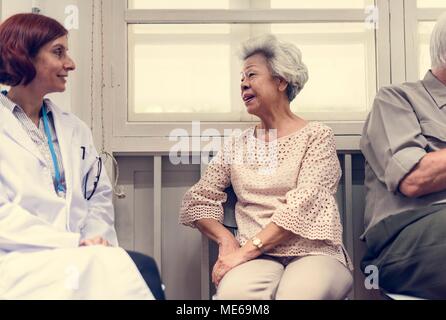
pixel 257 242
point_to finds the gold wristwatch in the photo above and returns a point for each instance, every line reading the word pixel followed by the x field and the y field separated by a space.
pixel 257 243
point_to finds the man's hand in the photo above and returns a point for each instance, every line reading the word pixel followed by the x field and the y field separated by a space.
pixel 96 241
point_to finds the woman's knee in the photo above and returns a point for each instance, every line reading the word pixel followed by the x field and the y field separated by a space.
pixel 316 290
pixel 256 281
pixel 319 279
pixel 253 280
pixel 234 290
pixel 229 290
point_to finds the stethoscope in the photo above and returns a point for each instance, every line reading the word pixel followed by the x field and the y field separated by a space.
pixel 60 188
pixel 97 178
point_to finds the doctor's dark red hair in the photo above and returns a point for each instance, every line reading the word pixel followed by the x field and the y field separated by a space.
pixel 21 37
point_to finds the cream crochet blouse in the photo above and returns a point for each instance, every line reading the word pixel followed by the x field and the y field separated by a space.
pixel 290 181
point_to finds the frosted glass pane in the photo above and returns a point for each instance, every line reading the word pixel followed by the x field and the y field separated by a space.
pixel 431 3
pixel 321 4
pixel 179 4
pixel 424 59
pixel 177 74
pixel 318 28
pixel 225 4
pixel 341 66
pixel 181 29
pixel 197 72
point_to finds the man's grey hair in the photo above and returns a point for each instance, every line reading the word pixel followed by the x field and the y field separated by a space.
pixel 284 59
pixel 438 43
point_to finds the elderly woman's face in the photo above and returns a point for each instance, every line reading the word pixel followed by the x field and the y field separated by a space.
pixel 52 65
pixel 259 89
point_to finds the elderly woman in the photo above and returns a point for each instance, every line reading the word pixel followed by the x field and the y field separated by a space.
pixel 57 234
pixel 285 173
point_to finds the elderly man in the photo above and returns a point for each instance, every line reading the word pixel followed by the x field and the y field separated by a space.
pixel 404 143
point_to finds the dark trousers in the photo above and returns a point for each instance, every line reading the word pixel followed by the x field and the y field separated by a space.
pixel 409 250
pixel 149 271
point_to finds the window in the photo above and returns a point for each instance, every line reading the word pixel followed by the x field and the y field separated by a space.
pixel 431 4
pixel 424 31
pixel 320 4
pixel 178 4
pixel 231 4
pixel 420 20
pixel 178 71
pixel 182 62
pixel 341 62
pixel 424 59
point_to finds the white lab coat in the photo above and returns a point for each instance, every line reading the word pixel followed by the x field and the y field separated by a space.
pixel 40 232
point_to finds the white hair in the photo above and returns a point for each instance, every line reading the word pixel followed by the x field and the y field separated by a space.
pixel 284 59
pixel 438 43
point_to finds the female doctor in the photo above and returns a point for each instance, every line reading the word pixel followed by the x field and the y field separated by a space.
pixel 57 238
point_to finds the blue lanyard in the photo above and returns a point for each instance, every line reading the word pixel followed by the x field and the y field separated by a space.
pixel 60 187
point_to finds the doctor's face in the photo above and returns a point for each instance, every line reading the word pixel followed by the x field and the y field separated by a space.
pixel 52 65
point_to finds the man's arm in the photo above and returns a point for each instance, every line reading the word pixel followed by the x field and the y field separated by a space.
pixel 428 176
pixel 392 140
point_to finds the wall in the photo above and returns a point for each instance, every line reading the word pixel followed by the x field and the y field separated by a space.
pixel 179 248
pixel 77 96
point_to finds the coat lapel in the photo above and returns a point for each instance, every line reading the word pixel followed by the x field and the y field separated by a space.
pixel 14 130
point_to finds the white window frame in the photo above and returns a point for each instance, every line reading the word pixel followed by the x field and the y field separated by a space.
pixel 413 15
pixel 235 115
pixel 148 137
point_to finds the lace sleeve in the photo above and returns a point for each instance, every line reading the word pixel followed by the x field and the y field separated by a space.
pixel 205 199
pixel 310 209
